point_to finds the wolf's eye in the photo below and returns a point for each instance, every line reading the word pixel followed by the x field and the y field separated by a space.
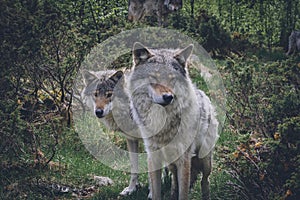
pixel 108 95
pixel 176 66
pixel 96 94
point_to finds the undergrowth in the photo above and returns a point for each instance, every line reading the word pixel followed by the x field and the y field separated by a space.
pixel 256 157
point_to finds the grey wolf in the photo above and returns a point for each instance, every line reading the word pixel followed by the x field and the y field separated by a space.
pixel 138 9
pixel 294 42
pixel 177 121
pixel 97 95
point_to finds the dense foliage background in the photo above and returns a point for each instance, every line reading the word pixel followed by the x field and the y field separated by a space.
pixel 43 43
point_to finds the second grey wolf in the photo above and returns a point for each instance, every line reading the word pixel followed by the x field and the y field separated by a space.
pixel 177 121
pixel 294 42
pixel 97 95
pixel 138 9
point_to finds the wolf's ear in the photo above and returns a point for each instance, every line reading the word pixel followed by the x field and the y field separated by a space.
pixel 88 76
pixel 116 76
pixel 183 55
pixel 140 53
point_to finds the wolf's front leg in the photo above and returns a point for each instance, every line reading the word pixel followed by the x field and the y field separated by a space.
pixel 174 186
pixel 155 180
pixel 183 176
pixel 133 156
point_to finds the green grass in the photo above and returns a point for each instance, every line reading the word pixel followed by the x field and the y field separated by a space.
pixel 81 166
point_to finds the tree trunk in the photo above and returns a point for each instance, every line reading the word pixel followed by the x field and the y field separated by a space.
pixel 192 8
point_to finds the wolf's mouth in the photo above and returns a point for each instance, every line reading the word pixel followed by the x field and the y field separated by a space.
pixel 164 104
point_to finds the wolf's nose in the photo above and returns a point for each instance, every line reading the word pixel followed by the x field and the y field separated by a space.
pixel 167 98
pixel 99 113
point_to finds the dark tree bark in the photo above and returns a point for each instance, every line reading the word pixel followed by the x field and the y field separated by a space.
pixel 192 8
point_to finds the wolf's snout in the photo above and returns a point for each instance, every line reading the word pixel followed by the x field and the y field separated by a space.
pixel 99 113
pixel 168 98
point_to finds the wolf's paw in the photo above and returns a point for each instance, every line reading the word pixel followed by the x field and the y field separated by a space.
pixel 129 190
pixel 150 195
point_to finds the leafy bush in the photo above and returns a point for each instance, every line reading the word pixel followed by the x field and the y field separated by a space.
pixel 42 46
pixel 262 95
pixel 264 104
pixel 13 129
pixel 206 29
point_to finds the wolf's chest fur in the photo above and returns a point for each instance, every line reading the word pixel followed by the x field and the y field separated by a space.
pixel 109 122
pixel 170 129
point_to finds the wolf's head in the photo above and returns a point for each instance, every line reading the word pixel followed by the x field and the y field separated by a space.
pixel 138 9
pixel 98 91
pixel 162 68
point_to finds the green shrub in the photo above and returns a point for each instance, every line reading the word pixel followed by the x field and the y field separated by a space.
pixel 264 104
pixel 206 29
